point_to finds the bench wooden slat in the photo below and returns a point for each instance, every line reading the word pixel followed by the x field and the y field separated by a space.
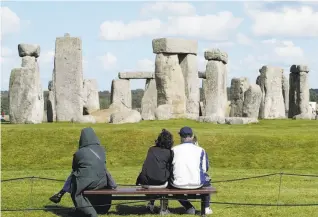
pixel 134 191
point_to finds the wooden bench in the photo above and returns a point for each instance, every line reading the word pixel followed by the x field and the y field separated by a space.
pixel 137 193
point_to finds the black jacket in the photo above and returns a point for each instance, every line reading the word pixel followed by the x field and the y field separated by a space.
pixel 156 169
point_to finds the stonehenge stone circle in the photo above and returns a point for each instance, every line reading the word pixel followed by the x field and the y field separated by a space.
pixel 26 102
pixel 299 92
pixel 215 85
pixel 252 101
pixel 272 101
pixel 68 78
pixel 238 88
pixel 171 91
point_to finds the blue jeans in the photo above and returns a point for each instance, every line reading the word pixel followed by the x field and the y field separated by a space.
pixel 67 184
pixel 187 205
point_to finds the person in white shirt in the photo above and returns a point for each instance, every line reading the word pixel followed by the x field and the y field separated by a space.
pixel 189 168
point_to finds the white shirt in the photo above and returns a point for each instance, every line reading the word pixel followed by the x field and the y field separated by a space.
pixel 190 164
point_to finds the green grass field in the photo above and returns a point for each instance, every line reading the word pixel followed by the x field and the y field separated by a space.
pixel 235 151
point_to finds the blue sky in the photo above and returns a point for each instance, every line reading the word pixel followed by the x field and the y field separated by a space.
pixel 116 36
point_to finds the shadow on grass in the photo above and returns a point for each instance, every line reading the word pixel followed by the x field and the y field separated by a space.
pixel 142 210
pixel 61 211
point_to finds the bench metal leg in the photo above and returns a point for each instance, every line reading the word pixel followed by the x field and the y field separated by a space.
pixel 164 206
pixel 203 198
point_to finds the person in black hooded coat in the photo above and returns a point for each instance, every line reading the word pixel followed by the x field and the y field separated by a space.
pixel 88 172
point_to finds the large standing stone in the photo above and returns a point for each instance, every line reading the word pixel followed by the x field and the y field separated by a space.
pixel 170 83
pixel 120 95
pixel 32 50
pixel 149 100
pixel 90 95
pixel 285 87
pixel 215 88
pixel 298 91
pixel 272 103
pixel 174 46
pixel 252 101
pixel 189 67
pixel 238 88
pixel 25 99
pixel 68 78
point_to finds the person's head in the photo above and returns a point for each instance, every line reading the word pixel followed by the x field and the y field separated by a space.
pixel 88 137
pixel 165 139
pixel 186 134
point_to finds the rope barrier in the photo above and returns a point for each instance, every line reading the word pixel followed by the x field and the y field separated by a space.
pixel 124 203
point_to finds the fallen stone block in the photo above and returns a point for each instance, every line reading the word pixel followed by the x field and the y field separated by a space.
pixel 174 46
pixel 131 116
pixel 216 54
pixel 29 50
pixel 212 119
pixel 136 75
pixel 240 120
pixel 303 116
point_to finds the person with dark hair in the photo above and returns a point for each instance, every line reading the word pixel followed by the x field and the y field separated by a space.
pixel 157 166
pixel 190 164
pixel 88 173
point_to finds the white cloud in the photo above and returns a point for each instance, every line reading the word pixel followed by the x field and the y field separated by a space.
pixel 118 30
pixel 209 27
pixel 296 22
pixel 6 55
pixel 243 39
pixel 145 65
pixel 202 63
pixel 108 61
pixel 10 22
pixel 164 8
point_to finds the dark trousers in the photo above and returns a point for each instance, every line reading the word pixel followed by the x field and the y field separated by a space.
pixel 187 204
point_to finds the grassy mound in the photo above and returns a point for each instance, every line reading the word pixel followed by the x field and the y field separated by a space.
pixel 234 150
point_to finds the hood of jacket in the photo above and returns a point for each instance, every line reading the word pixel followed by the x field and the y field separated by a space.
pixel 88 137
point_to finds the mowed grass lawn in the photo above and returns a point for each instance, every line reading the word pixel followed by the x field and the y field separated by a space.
pixel 235 151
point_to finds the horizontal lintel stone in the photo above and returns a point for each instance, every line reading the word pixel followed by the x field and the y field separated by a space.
pixel 136 75
pixel 175 46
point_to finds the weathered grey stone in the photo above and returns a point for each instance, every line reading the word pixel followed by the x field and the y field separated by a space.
pixel 189 67
pixel 212 119
pixel 304 116
pixel 25 99
pixel 174 46
pixel 131 116
pixel 29 62
pixel 29 50
pixel 170 83
pixel 215 89
pixel 298 91
pixel 50 107
pixel 136 75
pixel 252 101
pixel 164 112
pixel 272 103
pixel 299 68
pixel 202 111
pixel 120 95
pixel 216 54
pixel 68 79
pixel 285 87
pixel 50 85
pixel 201 75
pixel 149 100
pixel 238 88
pixel 90 95
pixel 240 120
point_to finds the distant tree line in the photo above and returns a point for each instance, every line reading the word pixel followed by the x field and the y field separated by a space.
pixel 104 98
